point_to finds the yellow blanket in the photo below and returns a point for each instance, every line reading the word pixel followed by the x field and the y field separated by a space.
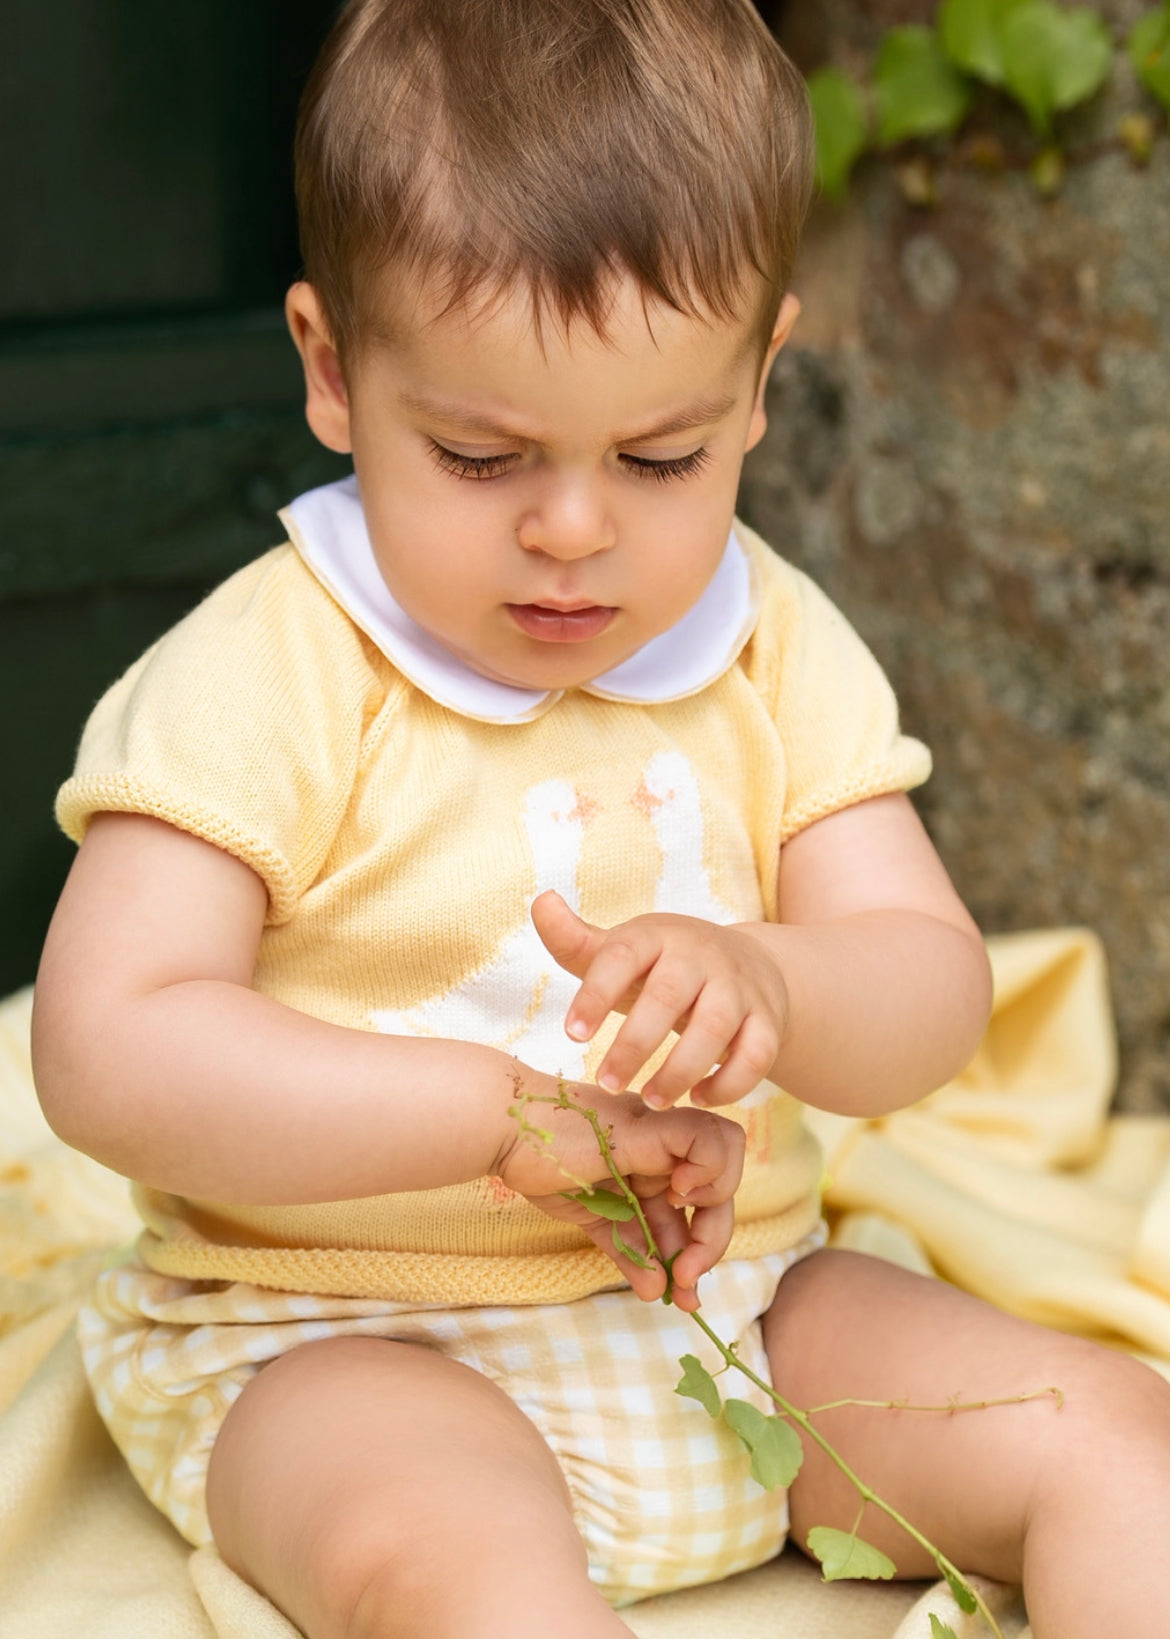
pixel 1013 1182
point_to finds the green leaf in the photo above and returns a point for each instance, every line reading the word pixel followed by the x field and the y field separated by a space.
pixel 1149 49
pixel 843 1555
pixel 697 1383
pixel 775 1448
pixel 941 1630
pixel 1053 58
pixel 605 1203
pixel 626 1250
pixel 842 127
pixel 746 1420
pixel 972 35
pixel 918 92
pixel 964 1598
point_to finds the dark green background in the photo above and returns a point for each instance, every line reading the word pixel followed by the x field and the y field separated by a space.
pixel 150 418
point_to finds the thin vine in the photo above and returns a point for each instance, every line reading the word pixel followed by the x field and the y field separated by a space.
pixel 1045 58
pixel 775 1450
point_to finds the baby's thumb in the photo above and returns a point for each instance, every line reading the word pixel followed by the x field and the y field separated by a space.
pixel 568 938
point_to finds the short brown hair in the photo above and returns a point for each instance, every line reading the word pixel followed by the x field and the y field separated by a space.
pixel 555 142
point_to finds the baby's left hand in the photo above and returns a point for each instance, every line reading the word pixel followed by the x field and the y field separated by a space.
pixel 719 988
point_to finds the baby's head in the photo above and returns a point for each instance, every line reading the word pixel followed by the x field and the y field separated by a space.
pixel 547 244
pixel 483 145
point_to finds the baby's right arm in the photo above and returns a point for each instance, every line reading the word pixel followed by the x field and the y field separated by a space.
pixel 154 1055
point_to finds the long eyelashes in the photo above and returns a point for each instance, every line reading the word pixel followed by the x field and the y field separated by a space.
pixel 682 466
pixel 478 468
pixel 470 466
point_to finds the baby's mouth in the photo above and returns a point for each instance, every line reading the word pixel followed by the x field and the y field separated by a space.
pixel 550 625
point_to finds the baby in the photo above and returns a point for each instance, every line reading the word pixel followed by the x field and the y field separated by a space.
pixel 522 766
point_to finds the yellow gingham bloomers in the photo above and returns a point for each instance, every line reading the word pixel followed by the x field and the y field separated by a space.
pixel 662 1495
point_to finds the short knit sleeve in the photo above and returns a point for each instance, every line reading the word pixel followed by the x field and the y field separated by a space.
pixel 831 703
pixel 242 725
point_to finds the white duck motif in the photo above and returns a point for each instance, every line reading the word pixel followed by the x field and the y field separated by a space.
pixel 517 1002
pixel 669 796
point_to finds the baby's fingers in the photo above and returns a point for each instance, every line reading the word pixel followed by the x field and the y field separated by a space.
pixel 616 982
pixel 569 939
pixel 669 992
pixel 748 1061
pixel 710 1236
pixel 626 1246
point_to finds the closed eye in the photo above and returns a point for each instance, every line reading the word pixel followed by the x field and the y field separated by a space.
pixel 481 467
pixel 680 466
pixel 471 466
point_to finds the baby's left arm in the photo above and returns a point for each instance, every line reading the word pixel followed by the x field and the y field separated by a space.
pixel 871 991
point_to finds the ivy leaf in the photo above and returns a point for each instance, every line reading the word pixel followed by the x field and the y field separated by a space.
pixel 843 1555
pixel 941 1630
pixel 1149 49
pixel 605 1203
pixel 697 1383
pixel 919 93
pixel 842 127
pixel 972 35
pixel 1054 58
pixel 775 1448
pixel 626 1250
pixel 964 1598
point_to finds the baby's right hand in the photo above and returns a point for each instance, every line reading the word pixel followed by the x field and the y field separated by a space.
pixel 676 1161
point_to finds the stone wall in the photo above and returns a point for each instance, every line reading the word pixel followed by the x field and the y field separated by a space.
pixel 969 447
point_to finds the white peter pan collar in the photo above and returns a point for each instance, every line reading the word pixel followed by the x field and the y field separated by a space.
pixel 328 529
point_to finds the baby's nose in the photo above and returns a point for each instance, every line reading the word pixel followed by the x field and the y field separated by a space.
pixel 569 521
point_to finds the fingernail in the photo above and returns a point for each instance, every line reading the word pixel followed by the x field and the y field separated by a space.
pixel 577 1028
pixel 610 1082
pixel 655 1101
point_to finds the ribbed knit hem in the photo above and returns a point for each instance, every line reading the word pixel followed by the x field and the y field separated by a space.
pixel 85 795
pixel 902 773
pixel 430 1277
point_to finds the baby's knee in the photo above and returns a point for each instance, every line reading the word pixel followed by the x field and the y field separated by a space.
pixel 1113 1427
pixel 439 1558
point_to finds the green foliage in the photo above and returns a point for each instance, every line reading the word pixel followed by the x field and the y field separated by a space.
pixel 697 1383
pixel 604 1203
pixel 972 35
pixel 1047 57
pixel 964 1598
pixel 1054 58
pixel 843 1554
pixel 842 127
pixel 940 1630
pixel 775 1447
pixel 1149 49
pixel 919 92
pixel 623 1247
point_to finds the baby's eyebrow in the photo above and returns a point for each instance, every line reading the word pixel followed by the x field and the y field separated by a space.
pixel 466 418
pixel 699 414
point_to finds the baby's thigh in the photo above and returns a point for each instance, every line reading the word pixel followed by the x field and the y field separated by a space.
pixel 357 1482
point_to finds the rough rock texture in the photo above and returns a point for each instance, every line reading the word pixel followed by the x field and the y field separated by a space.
pixel 969 447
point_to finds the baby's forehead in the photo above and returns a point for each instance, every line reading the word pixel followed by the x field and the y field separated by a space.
pixel 490 374
pixel 409 312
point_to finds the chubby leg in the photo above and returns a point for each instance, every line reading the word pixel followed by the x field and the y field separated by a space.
pixel 374 1489
pixel 1073 1502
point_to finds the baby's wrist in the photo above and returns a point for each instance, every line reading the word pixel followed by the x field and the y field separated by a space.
pixel 552 1143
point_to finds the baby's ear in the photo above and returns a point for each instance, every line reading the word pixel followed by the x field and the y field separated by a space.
pixel 326 397
pixel 785 319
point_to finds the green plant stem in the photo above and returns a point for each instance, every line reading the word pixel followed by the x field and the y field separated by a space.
pixel 802 1419
pixel 951 1405
pixel 866 1492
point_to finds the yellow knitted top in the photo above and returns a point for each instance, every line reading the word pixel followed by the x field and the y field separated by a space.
pixel 404 813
